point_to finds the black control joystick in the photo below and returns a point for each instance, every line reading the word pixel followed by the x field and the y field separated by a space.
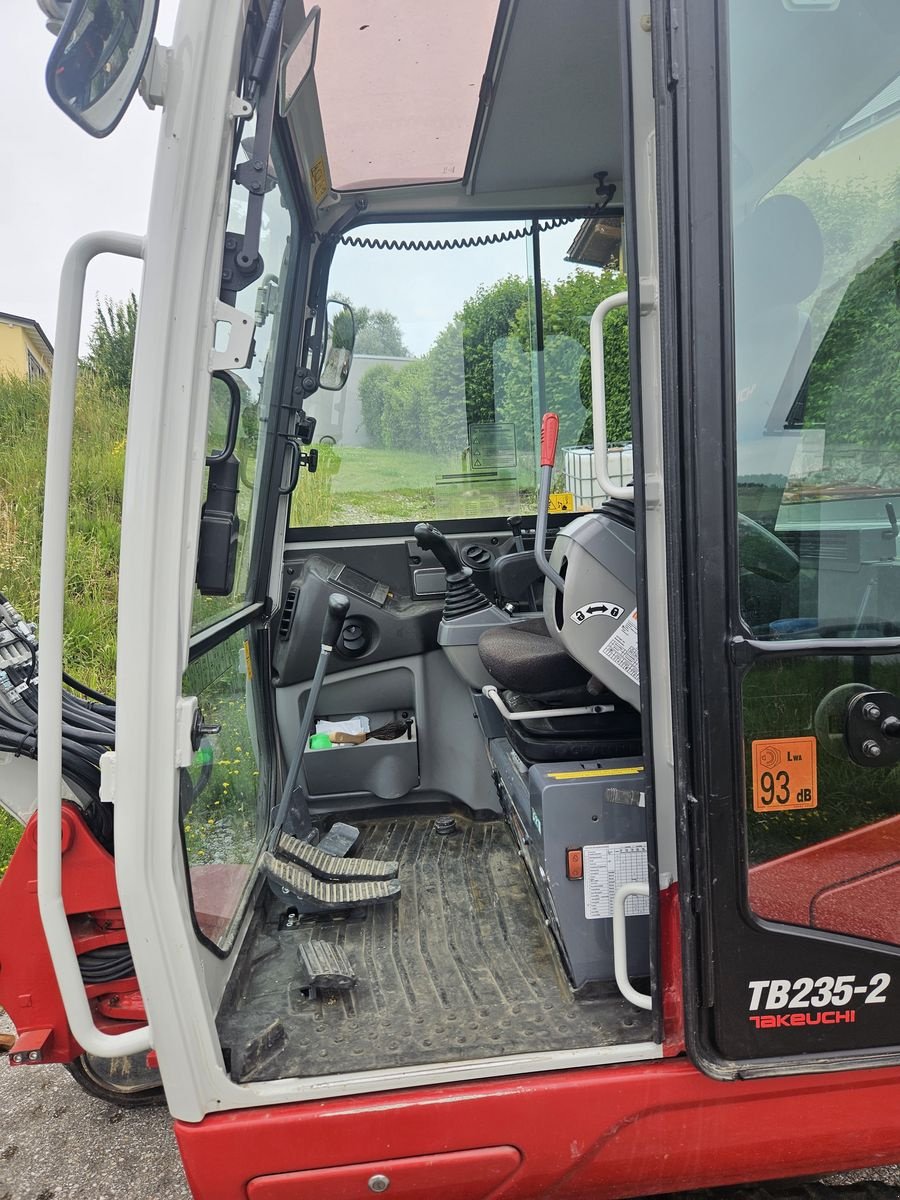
pixel 462 596
pixel 338 607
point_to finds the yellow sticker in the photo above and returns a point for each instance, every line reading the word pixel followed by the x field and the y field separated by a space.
pixel 596 774
pixel 784 774
pixel 561 502
pixel 318 177
pixel 248 660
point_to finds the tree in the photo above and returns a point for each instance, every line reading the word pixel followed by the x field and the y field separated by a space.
pixel 377 330
pixel 111 341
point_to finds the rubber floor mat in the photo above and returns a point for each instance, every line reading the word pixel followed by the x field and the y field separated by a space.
pixel 462 966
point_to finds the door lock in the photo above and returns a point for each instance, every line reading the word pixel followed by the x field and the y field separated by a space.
pixel 200 730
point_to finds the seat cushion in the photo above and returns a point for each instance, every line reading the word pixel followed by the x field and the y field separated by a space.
pixel 525 658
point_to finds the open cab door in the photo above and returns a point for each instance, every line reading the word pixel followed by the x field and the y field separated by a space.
pixel 784 199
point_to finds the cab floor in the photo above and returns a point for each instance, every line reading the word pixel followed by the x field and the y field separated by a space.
pixel 462 966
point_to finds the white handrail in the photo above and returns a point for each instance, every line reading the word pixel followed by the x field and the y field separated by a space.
pixel 620 945
pixel 491 692
pixel 598 386
pixel 598 399
pixel 53 577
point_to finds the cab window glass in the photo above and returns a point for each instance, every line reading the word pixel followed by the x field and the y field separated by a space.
pixel 263 298
pixel 459 352
pixel 816 222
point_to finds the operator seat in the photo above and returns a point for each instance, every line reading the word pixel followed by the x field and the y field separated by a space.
pixel 536 672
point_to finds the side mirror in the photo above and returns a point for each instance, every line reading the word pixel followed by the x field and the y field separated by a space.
pixel 298 60
pixel 339 340
pixel 98 60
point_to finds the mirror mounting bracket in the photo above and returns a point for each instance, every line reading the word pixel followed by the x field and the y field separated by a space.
pixel 152 87
pixel 242 263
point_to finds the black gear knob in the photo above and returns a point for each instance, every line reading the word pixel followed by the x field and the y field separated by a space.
pixel 338 607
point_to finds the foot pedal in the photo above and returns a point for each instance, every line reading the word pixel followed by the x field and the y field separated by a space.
pixel 328 866
pixel 340 839
pixel 316 895
pixel 326 968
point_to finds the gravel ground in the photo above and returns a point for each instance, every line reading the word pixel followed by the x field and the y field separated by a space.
pixel 57 1141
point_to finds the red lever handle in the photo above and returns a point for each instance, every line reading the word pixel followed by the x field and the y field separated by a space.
pixel 549 434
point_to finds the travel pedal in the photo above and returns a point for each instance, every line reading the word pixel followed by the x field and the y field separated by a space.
pixel 328 866
pixel 317 895
pixel 340 839
pixel 326 968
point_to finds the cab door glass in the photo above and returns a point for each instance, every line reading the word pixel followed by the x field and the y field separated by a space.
pixel 224 802
pixel 815 136
pixel 459 352
pixel 816 223
pixel 263 298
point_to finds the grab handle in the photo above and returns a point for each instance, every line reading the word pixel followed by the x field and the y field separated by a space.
pixel 598 399
pixel 620 945
pixel 53 577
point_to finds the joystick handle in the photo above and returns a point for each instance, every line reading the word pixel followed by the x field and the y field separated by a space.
pixel 338 607
pixel 429 538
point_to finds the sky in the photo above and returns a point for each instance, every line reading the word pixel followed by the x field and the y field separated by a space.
pixel 58 182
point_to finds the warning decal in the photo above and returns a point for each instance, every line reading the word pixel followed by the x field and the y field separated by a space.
pixel 318 178
pixel 622 648
pixel 784 774
pixel 606 868
pixel 561 502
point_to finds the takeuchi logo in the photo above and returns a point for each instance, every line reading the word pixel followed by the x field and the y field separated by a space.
pixel 832 1016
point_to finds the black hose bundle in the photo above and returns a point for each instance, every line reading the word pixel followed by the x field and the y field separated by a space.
pixel 89 718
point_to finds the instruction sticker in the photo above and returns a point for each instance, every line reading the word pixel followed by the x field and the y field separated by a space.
pixel 784 774
pixel 622 648
pixel 606 868
pixel 600 608
pixel 318 178
pixel 561 502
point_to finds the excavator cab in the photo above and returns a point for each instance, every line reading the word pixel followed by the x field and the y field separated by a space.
pixel 499 794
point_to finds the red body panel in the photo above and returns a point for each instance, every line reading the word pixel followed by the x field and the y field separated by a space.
pixel 28 988
pixel 466 1175
pixel 849 884
pixel 597 1134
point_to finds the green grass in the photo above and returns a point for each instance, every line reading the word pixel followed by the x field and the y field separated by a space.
pixel 93 547
pixel 362 485
pixel 9 839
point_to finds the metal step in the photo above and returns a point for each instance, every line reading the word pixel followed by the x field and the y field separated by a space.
pixel 321 896
pixel 326 967
pixel 329 866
